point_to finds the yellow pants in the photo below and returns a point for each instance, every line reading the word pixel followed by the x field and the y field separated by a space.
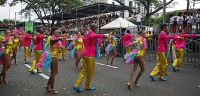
pixel 62 52
pixel 26 53
pixel 88 66
pixel 161 65
pixel 179 58
pixel 128 49
pixel 37 57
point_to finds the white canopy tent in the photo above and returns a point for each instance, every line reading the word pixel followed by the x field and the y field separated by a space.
pixel 119 23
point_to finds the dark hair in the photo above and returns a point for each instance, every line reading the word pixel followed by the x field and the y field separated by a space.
pixel 82 33
pixel 54 29
pixel 128 31
pixel 190 13
pixel 171 15
pixel 29 32
pixel 180 30
pixel 63 32
pixel 180 13
pixel 163 26
pixel 141 32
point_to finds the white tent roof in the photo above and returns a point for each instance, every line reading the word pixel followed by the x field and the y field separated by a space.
pixel 119 23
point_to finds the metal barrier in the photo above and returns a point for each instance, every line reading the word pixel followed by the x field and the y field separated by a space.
pixel 191 56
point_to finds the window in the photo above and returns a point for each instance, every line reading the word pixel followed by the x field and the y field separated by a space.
pixel 131 3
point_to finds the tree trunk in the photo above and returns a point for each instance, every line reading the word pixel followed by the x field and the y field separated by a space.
pixel 146 19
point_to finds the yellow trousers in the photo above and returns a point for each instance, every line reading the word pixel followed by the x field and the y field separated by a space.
pixel 37 57
pixel 88 66
pixel 62 52
pixel 161 65
pixel 179 58
pixel 26 53
pixel 128 49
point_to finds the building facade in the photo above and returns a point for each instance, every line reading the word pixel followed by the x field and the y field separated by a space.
pixel 139 8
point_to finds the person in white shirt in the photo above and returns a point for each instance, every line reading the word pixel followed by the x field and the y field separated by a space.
pixel 189 22
pixel 197 21
pixel 138 20
pixel 180 20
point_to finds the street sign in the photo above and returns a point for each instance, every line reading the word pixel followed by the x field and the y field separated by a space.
pixel 28 26
pixel 2 33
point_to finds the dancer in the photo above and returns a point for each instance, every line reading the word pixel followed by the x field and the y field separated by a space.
pixel 137 57
pixel 6 56
pixel 15 45
pixel 78 48
pixel 111 48
pixel 27 41
pixel 38 48
pixel 179 49
pixel 89 52
pixel 162 49
pixel 127 39
pixel 31 46
pixel 54 49
pixel 51 59
pixel 63 48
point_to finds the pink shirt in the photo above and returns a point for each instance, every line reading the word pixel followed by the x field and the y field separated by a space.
pixel 181 43
pixel 38 43
pixel 127 39
pixel 162 39
pixel 64 40
pixel 27 40
pixel 89 43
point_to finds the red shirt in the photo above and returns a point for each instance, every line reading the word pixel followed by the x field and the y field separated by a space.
pixel 38 43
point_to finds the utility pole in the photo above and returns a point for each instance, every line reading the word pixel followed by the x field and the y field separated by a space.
pixel 188 4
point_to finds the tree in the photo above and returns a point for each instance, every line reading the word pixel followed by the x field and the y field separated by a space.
pixel 46 7
pixel 2 2
pixel 157 5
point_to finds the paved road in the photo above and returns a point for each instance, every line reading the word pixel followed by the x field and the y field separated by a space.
pixel 108 80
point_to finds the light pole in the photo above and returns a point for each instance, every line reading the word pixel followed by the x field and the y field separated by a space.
pixel 164 10
pixel 9 14
pixel 98 15
pixel 15 19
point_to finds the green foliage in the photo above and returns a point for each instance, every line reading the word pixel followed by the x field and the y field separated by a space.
pixel 46 7
pixel 2 2
pixel 6 21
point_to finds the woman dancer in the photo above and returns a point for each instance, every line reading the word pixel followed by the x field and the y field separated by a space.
pixel 63 48
pixel 111 48
pixel 78 48
pixel 6 56
pixel 54 49
pixel 137 57
pixel 127 38
pixel 179 49
pixel 15 45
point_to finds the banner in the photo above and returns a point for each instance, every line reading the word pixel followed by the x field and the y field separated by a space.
pixel 28 26
pixel 2 33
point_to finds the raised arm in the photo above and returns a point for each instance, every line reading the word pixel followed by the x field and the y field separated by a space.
pixel 53 41
pixel 188 35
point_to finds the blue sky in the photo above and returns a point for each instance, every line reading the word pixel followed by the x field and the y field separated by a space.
pixel 5 10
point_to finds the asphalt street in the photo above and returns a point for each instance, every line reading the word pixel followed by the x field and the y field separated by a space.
pixel 108 80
